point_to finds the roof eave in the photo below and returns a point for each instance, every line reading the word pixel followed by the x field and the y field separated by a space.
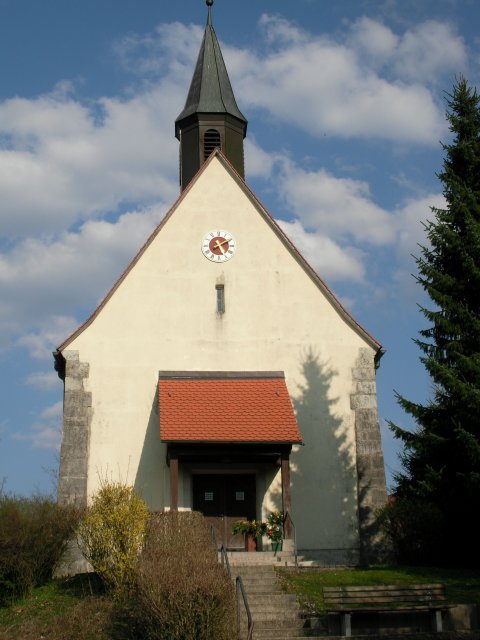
pixel 246 442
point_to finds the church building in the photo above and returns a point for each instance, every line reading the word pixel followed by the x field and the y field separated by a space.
pixel 220 373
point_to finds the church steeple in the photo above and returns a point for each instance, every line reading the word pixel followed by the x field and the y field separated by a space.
pixel 211 117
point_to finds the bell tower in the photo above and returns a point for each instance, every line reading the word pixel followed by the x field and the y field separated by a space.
pixel 211 117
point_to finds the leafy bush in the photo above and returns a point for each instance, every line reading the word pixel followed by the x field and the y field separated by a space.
pixel 111 534
pixel 34 533
pixel 182 592
pixel 256 527
pixel 414 529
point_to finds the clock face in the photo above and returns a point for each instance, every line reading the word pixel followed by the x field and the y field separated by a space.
pixel 218 245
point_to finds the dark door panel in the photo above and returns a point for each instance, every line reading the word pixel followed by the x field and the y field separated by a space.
pixel 224 499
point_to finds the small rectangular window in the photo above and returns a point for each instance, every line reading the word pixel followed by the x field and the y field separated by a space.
pixel 240 496
pixel 220 298
pixel 208 496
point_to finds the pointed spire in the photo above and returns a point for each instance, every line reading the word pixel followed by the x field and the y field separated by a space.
pixel 209 5
pixel 210 105
pixel 210 89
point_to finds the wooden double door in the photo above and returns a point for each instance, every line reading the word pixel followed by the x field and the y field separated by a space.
pixel 223 499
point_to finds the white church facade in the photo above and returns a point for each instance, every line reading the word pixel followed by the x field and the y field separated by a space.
pixel 220 373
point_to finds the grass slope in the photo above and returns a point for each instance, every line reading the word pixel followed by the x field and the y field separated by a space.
pixel 74 609
pixel 78 609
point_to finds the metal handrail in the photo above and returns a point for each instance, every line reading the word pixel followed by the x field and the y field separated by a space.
pixel 240 590
pixel 213 536
pixel 225 561
pixel 239 587
pixel 286 516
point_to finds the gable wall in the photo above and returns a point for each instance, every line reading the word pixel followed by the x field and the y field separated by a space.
pixel 163 317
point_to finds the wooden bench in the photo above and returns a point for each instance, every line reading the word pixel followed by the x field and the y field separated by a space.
pixel 348 601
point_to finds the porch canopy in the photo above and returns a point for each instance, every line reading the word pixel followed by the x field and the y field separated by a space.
pixel 227 417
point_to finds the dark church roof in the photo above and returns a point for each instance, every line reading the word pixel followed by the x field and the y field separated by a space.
pixel 210 89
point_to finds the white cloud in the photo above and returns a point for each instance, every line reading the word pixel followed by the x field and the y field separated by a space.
pixel 259 163
pixel 45 432
pixel 278 30
pixel 428 51
pixel 46 437
pixel 337 224
pixel 425 53
pixel 319 83
pixel 326 86
pixel 330 260
pixel 172 46
pixel 411 230
pixel 374 40
pixel 411 234
pixel 337 207
pixel 77 167
pixel 54 412
pixel 44 380
pixel 42 342
pixel 57 276
pixel 82 160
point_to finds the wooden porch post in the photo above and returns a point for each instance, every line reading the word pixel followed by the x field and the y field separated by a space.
pixel 286 494
pixel 174 484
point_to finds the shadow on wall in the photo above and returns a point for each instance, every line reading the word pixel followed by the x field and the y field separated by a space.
pixel 374 547
pixel 323 471
pixel 149 481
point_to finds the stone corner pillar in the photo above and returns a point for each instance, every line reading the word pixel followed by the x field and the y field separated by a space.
pixel 77 413
pixel 371 484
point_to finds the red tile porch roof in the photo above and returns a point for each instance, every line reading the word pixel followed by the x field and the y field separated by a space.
pixel 226 407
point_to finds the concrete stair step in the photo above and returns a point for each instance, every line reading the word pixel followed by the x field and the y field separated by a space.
pixel 257 581
pixel 292 625
pixel 284 633
pixel 270 627
pixel 276 614
pixel 262 558
pixel 276 599
pixel 251 578
pixel 260 590
pixel 280 634
pixel 255 573
pixel 254 576
pixel 273 613
pixel 266 618
pixel 288 634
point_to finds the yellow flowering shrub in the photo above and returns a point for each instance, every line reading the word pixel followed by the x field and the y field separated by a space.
pixel 111 534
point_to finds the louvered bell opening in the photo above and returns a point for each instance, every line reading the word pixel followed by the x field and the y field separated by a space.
pixel 211 141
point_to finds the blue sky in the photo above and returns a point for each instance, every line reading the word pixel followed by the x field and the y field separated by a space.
pixel 345 103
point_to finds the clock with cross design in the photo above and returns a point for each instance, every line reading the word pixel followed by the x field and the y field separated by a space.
pixel 218 245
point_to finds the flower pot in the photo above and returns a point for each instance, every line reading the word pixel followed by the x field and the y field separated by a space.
pixel 277 546
pixel 250 542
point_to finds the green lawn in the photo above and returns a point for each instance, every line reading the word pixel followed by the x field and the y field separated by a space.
pixel 462 585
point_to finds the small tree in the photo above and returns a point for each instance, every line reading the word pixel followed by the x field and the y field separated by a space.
pixel 441 458
pixel 111 534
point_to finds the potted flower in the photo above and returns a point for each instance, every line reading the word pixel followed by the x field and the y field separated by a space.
pixel 274 530
pixel 252 529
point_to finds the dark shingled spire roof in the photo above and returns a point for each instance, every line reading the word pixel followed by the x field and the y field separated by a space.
pixel 210 90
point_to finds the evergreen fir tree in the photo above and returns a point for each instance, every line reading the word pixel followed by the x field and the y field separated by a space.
pixel 441 458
